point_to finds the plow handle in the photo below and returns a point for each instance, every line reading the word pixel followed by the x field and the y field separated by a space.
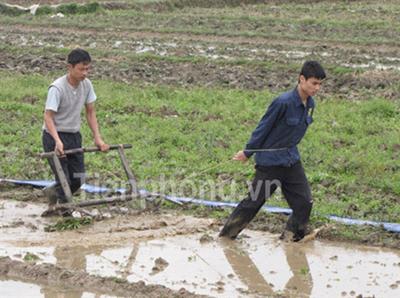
pixel 82 150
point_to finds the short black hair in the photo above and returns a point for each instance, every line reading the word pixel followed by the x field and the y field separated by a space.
pixel 312 69
pixel 77 56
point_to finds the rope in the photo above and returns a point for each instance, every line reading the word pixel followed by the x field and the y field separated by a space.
pixel 229 160
pixel 265 150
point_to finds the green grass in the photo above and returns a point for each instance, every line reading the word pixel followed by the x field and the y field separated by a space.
pixel 68 224
pixel 30 257
pixel 187 137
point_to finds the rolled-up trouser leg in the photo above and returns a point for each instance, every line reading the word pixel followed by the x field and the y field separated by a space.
pixel 261 188
pixel 297 192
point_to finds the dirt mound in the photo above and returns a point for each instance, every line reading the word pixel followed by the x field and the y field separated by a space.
pixel 49 274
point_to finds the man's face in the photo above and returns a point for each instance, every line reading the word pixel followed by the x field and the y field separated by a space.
pixel 310 86
pixel 79 71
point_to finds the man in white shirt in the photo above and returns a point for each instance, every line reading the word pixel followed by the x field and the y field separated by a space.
pixel 62 119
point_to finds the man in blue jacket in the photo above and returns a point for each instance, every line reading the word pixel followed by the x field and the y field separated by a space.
pixel 274 143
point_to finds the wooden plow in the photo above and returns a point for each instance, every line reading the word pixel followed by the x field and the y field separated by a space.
pixel 148 200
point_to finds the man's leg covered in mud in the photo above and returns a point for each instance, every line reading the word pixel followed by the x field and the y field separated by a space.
pixel 263 186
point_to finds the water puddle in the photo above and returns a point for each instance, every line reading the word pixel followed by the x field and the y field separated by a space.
pixel 164 250
pixel 257 264
pixel 21 221
pixel 18 289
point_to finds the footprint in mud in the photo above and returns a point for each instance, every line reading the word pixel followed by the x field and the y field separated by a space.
pixel 159 265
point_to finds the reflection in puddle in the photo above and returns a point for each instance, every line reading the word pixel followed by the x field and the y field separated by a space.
pixel 111 262
pixel 199 268
pixel 257 264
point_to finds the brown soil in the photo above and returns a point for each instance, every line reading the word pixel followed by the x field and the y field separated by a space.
pixel 122 228
pixel 367 235
pixel 61 278
pixel 159 265
pixel 210 72
pixel 22 226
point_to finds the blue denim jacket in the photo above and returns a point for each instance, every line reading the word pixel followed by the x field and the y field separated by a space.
pixel 275 139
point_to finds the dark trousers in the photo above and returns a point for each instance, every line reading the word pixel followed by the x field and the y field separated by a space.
pixel 72 164
pixel 295 188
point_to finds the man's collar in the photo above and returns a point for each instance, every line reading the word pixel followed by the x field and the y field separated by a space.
pixel 299 101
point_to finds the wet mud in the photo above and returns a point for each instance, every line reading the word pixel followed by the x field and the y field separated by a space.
pixel 368 235
pixel 56 260
pixel 173 255
pixel 52 278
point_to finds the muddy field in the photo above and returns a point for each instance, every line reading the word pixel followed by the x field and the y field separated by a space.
pixel 172 255
pixel 216 67
pixel 56 261
pixel 171 252
pixel 165 253
pixel 170 51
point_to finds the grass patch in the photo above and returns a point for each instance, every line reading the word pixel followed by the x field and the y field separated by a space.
pixel 30 257
pixel 184 139
pixel 68 224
